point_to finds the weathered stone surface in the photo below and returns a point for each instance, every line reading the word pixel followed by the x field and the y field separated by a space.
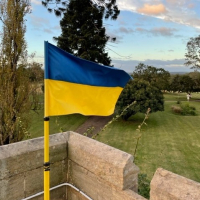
pixel 33 182
pixel 21 166
pixel 108 163
pixel 72 194
pixel 96 187
pixel 19 157
pixel 57 194
pixel 12 188
pixel 166 185
pixel 58 173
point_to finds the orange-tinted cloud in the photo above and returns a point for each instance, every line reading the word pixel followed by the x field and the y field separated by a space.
pixel 191 5
pixel 152 9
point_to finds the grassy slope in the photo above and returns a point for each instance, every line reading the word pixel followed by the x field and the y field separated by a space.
pixel 66 123
pixel 169 141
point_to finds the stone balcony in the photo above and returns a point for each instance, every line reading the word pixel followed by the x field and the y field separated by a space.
pixel 99 171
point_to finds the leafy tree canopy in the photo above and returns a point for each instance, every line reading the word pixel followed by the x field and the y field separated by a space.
pixel 192 56
pixel 183 83
pixel 145 95
pixel 196 80
pixel 155 76
pixel 145 89
pixel 108 7
pixel 35 71
pixel 83 33
pixel 14 82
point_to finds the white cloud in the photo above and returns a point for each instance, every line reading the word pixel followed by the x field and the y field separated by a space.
pixel 36 2
pixel 178 11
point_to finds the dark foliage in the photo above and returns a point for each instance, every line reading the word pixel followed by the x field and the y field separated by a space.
pixel 192 56
pixel 145 95
pixel 109 7
pixel 184 109
pixel 83 33
pixel 157 77
pixel 182 83
pixel 143 186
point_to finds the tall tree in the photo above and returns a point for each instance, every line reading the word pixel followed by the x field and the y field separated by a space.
pixel 196 80
pixel 145 95
pixel 83 33
pixel 192 55
pixel 182 83
pixel 157 77
pixel 145 89
pixel 109 7
pixel 14 81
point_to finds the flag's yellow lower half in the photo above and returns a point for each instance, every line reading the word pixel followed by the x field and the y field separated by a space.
pixel 68 98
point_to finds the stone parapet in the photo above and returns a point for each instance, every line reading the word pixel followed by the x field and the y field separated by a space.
pixel 21 166
pixel 166 185
pixel 98 170
pixel 111 165
pixel 102 172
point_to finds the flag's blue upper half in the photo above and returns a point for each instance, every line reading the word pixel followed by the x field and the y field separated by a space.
pixel 63 66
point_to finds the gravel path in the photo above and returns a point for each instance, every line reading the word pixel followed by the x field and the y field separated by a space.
pixel 94 124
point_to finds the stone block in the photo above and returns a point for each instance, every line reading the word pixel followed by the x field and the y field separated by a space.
pixel 58 173
pixel 166 185
pixel 72 194
pixel 34 180
pixel 96 187
pixel 12 188
pixel 57 194
pixel 27 155
pixel 114 166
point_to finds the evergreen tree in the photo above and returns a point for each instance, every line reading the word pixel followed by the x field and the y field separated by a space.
pixel 83 33
pixel 58 6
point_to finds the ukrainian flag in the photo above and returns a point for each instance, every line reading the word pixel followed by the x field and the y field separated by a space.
pixel 75 85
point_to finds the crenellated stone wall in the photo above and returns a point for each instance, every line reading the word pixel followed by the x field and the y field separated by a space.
pixel 100 171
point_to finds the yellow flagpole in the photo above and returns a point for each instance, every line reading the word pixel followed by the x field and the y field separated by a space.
pixel 46 160
pixel 46 134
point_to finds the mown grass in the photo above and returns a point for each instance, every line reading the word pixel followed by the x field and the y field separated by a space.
pixel 180 96
pixel 57 124
pixel 169 141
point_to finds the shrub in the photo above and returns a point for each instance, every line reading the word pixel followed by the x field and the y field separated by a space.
pixel 184 109
pixel 176 109
pixel 143 185
pixel 188 110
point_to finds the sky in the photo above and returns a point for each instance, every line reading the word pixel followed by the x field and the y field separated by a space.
pixel 153 32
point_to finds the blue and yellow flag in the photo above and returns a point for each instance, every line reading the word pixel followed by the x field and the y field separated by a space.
pixel 75 85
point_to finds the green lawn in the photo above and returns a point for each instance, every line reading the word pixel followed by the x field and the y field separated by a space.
pixel 180 96
pixel 57 124
pixel 169 141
